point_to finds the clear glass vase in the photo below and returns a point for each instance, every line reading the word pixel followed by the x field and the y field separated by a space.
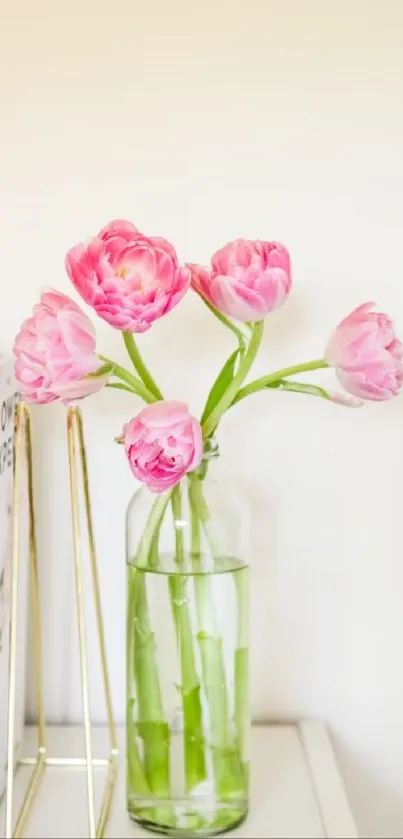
pixel 188 715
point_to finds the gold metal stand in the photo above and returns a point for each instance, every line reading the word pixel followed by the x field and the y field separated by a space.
pixel 75 440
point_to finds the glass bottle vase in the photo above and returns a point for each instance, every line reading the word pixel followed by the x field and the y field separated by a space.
pixel 188 715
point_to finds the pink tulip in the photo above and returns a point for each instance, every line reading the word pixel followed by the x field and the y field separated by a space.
pixel 247 279
pixel 367 355
pixel 54 351
pixel 129 279
pixel 162 443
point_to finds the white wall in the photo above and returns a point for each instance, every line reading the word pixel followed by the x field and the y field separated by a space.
pixel 202 122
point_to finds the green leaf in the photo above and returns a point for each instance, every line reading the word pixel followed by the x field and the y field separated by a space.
pixel 313 390
pixel 102 371
pixel 220 385
pixel 120 386
pixel 299 387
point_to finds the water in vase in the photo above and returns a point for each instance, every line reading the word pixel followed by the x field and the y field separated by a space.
pixel 187 695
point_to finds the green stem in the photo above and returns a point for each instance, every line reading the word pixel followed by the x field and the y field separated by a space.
pixel 195 543
pixel 135 776
pixel 195 765
pixel 242 711
pixel 236 331
pixel 154 550
pixel 150 725
pixel 137 783
pixel 229 395
pixel 139 365
pixel 176 504
pixel 154 520
pixel 266 381
pixel 134 383
pixel 201 513
pixel 120 386
pixel 228 771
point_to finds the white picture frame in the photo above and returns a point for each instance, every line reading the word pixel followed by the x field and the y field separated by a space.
pixel 9 398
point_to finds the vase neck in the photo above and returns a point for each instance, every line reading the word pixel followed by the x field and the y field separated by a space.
pixel 210 455
pixel 210 450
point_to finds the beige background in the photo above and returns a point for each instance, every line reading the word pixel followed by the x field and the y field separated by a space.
pixel 201 122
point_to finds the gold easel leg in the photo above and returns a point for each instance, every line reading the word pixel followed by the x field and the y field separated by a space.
pixel 34 587
pixel 112 769
pixel 23 421
pixel 107 796
pixel 29 795
pixel 78 567
pixel 12 660
pixel 96 831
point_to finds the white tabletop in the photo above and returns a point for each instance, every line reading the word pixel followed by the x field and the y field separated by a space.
pixel 297 790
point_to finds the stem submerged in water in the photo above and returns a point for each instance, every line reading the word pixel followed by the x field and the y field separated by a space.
pixel 135 774
pixel 242 711
pixel 228 771
pixel 150 725
pixel 195 765
pixel 203 690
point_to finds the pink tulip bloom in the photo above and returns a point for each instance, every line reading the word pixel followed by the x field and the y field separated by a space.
pixel 130 280
pixel 246 280
pixel 366 354
pixel 162 443
pixel 54 351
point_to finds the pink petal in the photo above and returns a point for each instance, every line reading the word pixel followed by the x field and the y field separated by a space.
pixel 225 260
pixel 78 332
pixel 163 245
pixel 55 301
pixel 118 227
pixel 236 300
pixel 79 389
pixel 197 445
pixel 164 414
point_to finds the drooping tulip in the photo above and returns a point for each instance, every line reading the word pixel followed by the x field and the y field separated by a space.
pixel 55 352
pixel 367 355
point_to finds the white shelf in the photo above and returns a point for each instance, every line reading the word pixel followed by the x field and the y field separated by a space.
pixel 297 792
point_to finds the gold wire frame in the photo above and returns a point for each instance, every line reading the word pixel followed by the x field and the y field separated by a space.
pixel 23 449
